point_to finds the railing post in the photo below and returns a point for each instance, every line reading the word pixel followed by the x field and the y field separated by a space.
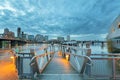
pixel 114 68
pixel 88 53
pixel 83 67
pixel 63 54
pixel 46 54
pixel 33 65
pixel 18 65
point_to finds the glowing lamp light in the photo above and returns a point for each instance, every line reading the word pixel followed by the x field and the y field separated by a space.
pixel 12 57
pixel 67 57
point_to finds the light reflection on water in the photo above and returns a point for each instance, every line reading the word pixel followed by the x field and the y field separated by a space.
pixel 95 49
pixel 26 48
pixel 99 50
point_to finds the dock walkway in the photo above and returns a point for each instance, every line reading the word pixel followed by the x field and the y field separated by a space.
pixel 59 69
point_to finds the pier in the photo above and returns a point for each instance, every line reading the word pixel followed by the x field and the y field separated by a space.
pixel 60 62
pixel 59 69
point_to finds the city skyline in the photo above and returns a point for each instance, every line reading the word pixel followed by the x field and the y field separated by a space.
pixel 81 19
pixel 20 34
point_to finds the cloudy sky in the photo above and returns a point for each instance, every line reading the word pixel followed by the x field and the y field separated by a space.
pixel 82 19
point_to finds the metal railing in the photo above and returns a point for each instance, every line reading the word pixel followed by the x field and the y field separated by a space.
pixel 105 66
pixel 39 62
pixel 30 63
pixel 22 64
pixel 78 61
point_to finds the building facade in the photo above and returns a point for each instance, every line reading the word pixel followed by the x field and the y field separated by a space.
pixel 68 37
pixel 31 37
pixel 60 38
pixel 39 38
pixel 8 34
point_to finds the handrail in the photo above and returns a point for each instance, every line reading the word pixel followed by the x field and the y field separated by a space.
pixel 41 55
pixel 110 54
pixel 41 61
pixel 80 63
pixel 105 58
pixel 82 56
pixel 109 72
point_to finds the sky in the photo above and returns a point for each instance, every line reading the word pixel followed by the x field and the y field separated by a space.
pixel 81 19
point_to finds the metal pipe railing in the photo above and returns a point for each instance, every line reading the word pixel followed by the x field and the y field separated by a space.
pixel 78 61
pixel 41 61
pixel 107 65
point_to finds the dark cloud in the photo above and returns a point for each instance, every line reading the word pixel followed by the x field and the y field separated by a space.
pixel 59 16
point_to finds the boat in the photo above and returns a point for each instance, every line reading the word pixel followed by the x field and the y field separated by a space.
pixel 113 37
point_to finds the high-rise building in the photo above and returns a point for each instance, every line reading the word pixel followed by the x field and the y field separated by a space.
pixel 22 34
pixel 11 34
pixel 19 32
pixel 68 37
pixel 31 37
pixel 8 34
pixel 25 36
pixel 6 31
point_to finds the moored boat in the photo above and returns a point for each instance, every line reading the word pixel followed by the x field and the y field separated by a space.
pixel 113 37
